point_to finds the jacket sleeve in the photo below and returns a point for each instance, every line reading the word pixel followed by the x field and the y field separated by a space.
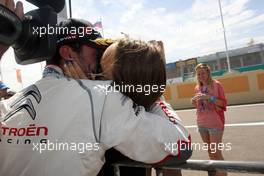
pixel 156 137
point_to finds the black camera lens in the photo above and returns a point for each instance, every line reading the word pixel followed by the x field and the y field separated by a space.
pixel 29 46
pixel 10 26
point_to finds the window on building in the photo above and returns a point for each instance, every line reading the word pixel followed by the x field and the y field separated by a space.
pixel 235 62
pixel 213 65
pixel 252 59
pixel 178 72
pixel 189 70
pixel 223 64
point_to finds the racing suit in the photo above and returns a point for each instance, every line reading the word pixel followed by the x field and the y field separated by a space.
pixel 61 126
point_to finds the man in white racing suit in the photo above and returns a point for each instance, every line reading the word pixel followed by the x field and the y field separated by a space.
pixel 66 132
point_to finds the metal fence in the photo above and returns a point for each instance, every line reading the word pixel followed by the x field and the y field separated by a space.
pixel 210 166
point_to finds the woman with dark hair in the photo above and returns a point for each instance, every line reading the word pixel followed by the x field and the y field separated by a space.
pixel 136 64
pixel 137 68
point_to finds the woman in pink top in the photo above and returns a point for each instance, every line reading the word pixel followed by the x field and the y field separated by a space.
pixel 210 102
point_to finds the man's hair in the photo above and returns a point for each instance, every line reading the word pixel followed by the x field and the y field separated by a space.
pixel 75 41
pixel 140 63
pixel 56 59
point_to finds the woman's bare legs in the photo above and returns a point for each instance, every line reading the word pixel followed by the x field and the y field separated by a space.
pixel 215 153
pixel 213 142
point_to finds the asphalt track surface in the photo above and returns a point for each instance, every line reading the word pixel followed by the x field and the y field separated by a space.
pixel 244 131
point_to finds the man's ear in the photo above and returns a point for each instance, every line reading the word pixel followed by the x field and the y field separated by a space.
pixel 66 52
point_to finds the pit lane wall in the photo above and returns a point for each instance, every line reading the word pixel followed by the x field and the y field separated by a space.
pixel 240 88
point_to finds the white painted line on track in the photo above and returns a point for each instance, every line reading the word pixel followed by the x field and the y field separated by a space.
pixel 228 107
pixel 235 124
pixel 247 105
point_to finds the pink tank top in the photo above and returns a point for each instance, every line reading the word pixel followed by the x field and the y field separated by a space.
pixel 208 114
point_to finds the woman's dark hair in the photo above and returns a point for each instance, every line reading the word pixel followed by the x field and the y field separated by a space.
pixel 140 64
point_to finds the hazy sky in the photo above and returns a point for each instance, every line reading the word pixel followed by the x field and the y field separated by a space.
pixel 188 28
